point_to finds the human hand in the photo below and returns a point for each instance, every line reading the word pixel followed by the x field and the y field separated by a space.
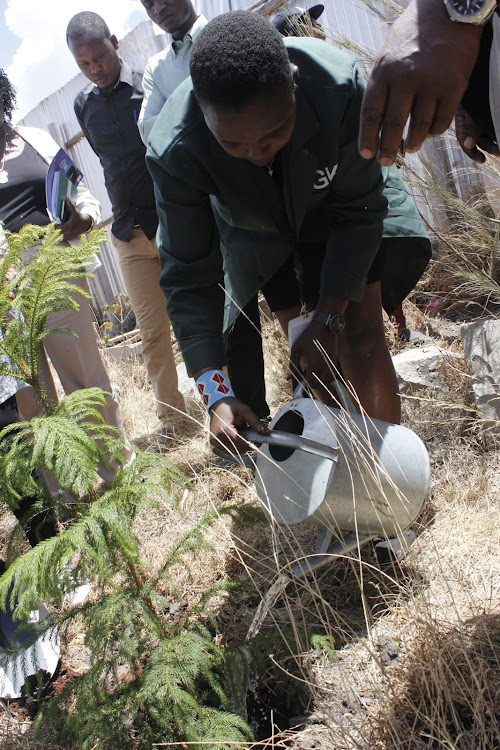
pixel 470 136
pixel 226 416
pixel 76 224
pixel 420 73
pixel 314 355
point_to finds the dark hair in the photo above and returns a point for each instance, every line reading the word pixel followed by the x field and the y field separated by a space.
pixel 8 94
pixel 85 24
pixel 237 56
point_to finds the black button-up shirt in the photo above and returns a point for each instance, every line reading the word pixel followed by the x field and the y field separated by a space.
pixel 110 124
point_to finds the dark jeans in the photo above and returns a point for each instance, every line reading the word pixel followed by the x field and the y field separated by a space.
pixel 245 359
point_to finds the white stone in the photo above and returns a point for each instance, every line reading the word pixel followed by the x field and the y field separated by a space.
pixel 422 368
pixel 186 384
pixel 481 341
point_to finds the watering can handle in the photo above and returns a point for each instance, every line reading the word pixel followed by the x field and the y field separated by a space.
pixel 289 440
pixel 342 392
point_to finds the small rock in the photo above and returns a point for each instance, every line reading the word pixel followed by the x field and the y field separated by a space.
pixel 389 649
pixel 186 384
pixel 481 341
pixel 421 368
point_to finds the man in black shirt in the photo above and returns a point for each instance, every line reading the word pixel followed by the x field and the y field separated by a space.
pixel 107 111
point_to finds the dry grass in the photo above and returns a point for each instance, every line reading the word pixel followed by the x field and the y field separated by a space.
pixel 465 271
pixel 417 640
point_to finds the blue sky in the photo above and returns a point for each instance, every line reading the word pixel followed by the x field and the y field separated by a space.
pixel 32 43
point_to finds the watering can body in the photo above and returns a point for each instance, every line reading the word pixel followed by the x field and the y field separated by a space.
pixel 341 470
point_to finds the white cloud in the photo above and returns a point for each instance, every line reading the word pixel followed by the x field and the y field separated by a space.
pixel 42 63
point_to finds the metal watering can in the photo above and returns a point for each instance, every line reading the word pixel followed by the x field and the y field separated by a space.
pixel 349 475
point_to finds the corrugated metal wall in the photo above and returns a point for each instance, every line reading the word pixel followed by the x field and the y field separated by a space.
pixel 56 114
pixel 351 19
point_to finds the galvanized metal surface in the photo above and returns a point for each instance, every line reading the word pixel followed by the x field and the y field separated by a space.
pixel 350 19
pixel 340 470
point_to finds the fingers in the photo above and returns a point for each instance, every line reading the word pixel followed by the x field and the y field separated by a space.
pixel 487 144
pixel 66 226
pixel 399 105
pixel 372 115
pixel 467 133
pixel 226 417
pixel 421 121
pixel 315 374
pixel 427 115
pixel 71 208
pixel 471 138
pixel 446 107
pixel 469 148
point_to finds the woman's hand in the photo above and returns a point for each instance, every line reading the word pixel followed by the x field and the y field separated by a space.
pixel 226 417
pixel 76 224
pixel 314 357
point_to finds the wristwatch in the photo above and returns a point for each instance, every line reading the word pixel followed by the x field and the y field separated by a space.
pixel 335 322
pixel 470 11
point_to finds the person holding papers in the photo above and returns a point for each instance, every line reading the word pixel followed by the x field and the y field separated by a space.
pixel 25 154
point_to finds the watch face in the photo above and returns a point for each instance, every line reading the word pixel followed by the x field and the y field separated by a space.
pixel 467 7
pixel 336 323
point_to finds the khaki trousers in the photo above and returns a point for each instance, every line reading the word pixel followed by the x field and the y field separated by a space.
pixel 78 364
pixel 140 265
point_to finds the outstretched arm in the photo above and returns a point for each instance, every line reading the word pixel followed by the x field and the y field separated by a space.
pixel 420 74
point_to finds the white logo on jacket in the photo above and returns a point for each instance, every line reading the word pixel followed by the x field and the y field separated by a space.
pixel 324 177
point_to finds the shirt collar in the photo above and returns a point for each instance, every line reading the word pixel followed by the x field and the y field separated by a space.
pixel 124 77
pixel 125 74
pixel 191 35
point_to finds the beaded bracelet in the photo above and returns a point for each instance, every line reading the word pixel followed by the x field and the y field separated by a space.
pixel 212 386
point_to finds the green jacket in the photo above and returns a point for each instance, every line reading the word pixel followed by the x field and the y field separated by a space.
pixel 225 227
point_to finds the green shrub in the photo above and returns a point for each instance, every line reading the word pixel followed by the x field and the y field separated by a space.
pixel 151 677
